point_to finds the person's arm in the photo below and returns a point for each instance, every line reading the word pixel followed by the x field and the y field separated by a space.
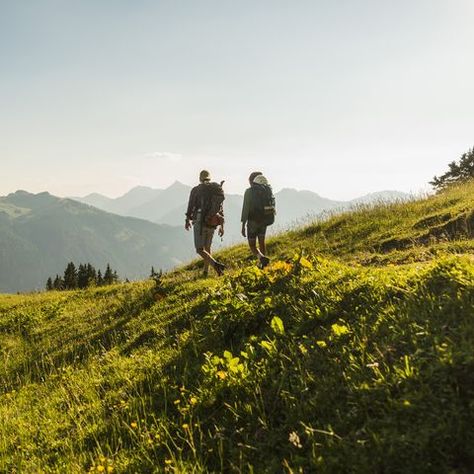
pixel 220 232
pixel 245 210
pixel 190 209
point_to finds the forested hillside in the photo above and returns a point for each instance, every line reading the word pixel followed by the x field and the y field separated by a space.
pixel 41 233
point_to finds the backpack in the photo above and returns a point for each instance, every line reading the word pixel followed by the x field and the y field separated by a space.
pixel 212 197
pixel 262 205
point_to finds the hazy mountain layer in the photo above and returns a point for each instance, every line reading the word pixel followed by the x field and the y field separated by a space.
pixel 40 233
pixel 168 206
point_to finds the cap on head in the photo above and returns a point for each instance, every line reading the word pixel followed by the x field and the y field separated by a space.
pixel 254 175
pixel 204 175
pixel 260 179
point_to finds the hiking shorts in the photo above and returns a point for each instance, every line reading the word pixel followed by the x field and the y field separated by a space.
pixel 202 234
pixel 256 229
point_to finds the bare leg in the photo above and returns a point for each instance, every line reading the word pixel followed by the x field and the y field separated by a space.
pixel 207 257
pixel 253 247
pixel 261 244
pixel 206 262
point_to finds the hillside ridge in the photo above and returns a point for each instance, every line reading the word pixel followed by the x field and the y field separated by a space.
pixel 342 356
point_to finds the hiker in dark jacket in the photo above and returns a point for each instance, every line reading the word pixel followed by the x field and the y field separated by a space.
pixel 205 220
pixel 258 211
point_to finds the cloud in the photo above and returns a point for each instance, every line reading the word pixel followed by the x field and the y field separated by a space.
pixel 164 156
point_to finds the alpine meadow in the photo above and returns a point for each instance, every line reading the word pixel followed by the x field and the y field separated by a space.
pixel 236 237
pixel 351 352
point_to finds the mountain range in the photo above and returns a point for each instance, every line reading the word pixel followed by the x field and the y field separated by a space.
pixel 41 233
pixel 168 206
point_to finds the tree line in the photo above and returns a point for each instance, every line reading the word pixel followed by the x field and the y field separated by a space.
pixel 458 172
pixel 83 276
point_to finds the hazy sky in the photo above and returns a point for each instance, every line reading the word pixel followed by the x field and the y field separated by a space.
pixel 341 97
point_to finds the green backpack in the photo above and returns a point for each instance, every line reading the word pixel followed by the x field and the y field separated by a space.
pixel 262 204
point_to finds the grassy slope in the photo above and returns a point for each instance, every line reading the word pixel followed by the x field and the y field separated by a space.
pixel 356 358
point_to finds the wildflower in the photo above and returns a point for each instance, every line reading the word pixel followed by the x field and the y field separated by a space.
pixel 185 426
pixel 100 468
pixel 168 461
pixel 304 262
pixel 133 424
pixel 221 374
pixel 339 329
pixel 110 469
pixel 284 267
pixel 321 344
pixel 193 400
pixel 177 402
pixel 406 403
pixel 295 439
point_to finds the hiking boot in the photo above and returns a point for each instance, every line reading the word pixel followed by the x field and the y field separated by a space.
pixel 219 267
pixel 264 261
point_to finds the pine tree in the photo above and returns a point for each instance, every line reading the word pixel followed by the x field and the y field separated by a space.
pixel 91 275
pixel 49 284
pixel 457 173
pixel 108 276
pixel 100 280
pixel 82 277
pixel 70 277
pixel 58 283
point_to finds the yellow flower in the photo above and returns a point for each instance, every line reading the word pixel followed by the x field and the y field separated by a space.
pixel 110 469
pixel 177 402
pixel 193 400
pixel 100 468
pixel 339 329
pixel 185 426
pixel 279 265
pixel 168 461
pixel 304 262
pixel 321 343
pixel 133 425
pixel 221 374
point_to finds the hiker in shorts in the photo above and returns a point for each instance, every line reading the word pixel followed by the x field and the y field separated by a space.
pixel 258 212
pixel 205 213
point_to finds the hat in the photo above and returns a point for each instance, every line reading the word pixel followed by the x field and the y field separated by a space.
pixel 204 175
pixel 254 175
pixel 260 179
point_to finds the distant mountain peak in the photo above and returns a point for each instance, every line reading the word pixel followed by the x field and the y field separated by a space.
pixel 142 188
pixel 177 185
pixel 21 192
pixel 95 195
pixel 297 191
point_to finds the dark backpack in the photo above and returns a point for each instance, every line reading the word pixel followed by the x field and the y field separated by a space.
pixel 212 198
pixel 262 204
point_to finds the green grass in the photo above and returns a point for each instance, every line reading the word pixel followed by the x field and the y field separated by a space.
pixel 352 352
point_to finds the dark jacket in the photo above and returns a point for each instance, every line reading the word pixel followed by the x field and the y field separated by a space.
pixel 195 201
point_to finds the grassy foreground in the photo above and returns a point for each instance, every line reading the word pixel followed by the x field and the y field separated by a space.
pixel 352 352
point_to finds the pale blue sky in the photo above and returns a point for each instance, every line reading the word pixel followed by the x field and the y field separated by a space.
pixel 341 97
